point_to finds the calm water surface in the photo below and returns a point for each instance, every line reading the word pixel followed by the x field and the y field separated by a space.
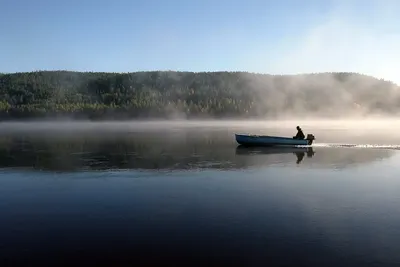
pixel 159 196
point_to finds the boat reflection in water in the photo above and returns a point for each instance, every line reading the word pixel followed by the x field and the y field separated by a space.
pixel 300 152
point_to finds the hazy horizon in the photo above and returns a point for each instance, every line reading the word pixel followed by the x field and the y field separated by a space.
pixel 351 123
pixel 275 38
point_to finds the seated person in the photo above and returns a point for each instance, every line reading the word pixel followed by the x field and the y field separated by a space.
pixel 300 135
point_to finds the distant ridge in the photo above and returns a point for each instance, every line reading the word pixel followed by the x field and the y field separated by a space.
pixel 184 94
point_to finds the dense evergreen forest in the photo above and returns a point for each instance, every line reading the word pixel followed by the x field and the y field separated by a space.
pixel 168 94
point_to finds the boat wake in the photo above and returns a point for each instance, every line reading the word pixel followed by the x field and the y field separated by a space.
pixel 338 145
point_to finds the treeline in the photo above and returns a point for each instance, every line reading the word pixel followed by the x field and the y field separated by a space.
pixel 168 94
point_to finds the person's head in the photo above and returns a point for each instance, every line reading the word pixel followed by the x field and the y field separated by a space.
pixel 298 127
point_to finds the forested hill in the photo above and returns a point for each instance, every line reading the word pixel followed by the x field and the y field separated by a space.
pixel 171 94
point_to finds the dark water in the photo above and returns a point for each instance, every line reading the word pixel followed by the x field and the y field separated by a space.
pixel 191 197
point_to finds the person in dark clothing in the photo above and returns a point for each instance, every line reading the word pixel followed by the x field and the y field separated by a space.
pixel 300 135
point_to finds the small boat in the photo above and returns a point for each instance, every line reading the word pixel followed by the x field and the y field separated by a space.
pixel 266 140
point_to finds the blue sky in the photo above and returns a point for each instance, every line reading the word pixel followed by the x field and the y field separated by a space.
pixel 286 36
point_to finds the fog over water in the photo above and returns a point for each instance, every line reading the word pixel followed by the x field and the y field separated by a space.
pixel 364 131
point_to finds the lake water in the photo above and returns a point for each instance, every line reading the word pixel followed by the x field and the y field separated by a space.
pixel 161 194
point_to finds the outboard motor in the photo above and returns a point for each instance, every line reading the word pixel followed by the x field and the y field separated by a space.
pixel 310 138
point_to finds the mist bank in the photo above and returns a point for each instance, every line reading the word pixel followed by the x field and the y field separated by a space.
pixel 189 95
